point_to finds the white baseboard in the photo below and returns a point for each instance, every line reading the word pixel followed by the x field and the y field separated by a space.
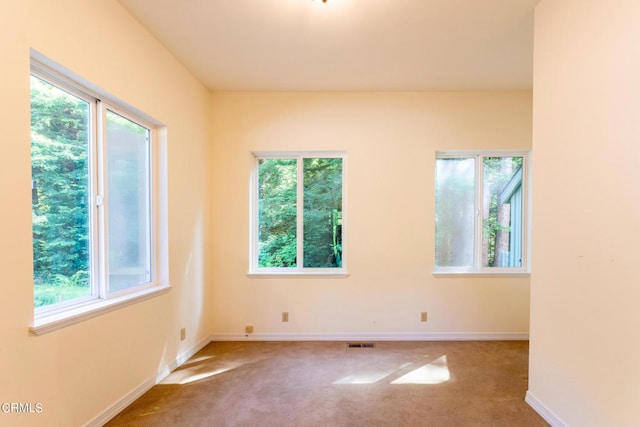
pixel 543 411
pixel 427 336
pixel 113 410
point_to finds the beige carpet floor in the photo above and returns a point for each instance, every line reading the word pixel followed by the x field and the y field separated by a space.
pixel 426 383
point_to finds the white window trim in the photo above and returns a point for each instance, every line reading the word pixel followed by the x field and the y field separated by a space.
pixel 50 318
pixel 261 272
pixel 476 269
pixel 80 313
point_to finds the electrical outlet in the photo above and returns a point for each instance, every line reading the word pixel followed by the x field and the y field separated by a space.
pixel 423 316
pixel 285 316
pixel 183 334
pixel 248 329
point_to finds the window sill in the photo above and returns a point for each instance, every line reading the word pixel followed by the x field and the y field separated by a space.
pixel 56 321
pixel 297 274
pixel 501 273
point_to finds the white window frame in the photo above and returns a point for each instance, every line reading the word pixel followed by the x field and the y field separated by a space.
pixel 254 269
pixel 54 316
pixel 476 268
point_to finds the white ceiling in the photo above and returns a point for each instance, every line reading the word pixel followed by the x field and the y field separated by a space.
pixel 376 45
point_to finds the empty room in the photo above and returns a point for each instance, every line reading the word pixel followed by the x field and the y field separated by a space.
pixel 309 212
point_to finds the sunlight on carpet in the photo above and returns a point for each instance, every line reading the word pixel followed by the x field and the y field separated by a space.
pixel 436 372
pixel 188 376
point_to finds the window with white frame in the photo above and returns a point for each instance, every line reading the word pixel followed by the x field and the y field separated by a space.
pixel 480 212
pixel 93 196
pixel 297 213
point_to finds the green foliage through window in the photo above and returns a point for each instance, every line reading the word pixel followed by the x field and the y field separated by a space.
pixel 479 211
pixel 60 193
pixel 322 213
pixel 496 225
pixel 91 199
pixel 277 212
pixel 281 214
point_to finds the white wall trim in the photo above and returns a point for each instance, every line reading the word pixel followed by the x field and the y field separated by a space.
pixel 117 407
pixel 426 336
pixel 543 411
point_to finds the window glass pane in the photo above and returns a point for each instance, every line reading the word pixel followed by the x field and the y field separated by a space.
pixel 502 212
pixel 60 194
pixel 455 194
pixel 128 203
pixel 322 212
pixel 277 212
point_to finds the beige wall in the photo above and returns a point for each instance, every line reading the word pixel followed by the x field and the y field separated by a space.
pixel 390 140
pixel 79 371
pixel 585 290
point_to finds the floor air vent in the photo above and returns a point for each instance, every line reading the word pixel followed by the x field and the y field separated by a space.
pixel 361 345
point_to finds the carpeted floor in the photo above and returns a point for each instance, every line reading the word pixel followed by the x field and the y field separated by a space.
pixel 467 383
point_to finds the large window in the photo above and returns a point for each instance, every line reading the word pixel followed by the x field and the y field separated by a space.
pixel 480 221
pixel 92 196
pixel 297 218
